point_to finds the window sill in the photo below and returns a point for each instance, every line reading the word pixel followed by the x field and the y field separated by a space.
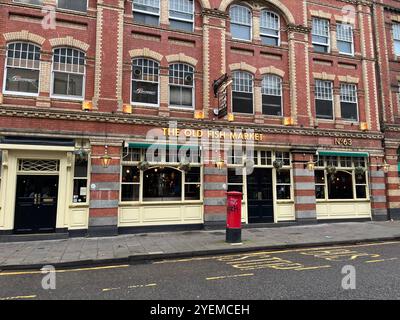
pixel 20 95
pixel 151 203
pixel 79 205
pixel 68 11
pixel 66 99
pixel 344 200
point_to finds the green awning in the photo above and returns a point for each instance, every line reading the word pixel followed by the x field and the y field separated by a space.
pixel 145 145
pixel 343 154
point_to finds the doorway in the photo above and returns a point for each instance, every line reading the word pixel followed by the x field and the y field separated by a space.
pixel 260 203
pixel 36 204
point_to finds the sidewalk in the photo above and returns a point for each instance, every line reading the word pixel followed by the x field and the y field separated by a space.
pixel 140 247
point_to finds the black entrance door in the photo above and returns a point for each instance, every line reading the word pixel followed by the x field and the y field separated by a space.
pixel 260 196
pixel 36 204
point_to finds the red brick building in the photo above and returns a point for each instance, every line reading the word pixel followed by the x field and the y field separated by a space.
pixel 313 85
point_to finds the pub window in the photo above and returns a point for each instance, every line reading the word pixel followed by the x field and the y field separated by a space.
pixel 146 12
pixel 76 5
pixel 34 2
pixel 235 180
pixel 181 15
pixel 284 157
pixel 130 185
pixel 265 158
pixel 242 92
pixel 271 89
pixel 240 22
pixel 68 73
pixel 132 155
pixel 22 68
pixel 269 28
pixel 324 99
pixel 181 85
pixel 396 38
pixel 162 184
pixel 348 101
pixel 340 185
pixel 319 176
pixel 80 180
pixel 145 81
pixel 361 185
pixel 283 185
pixel 345 162
pixel 320 35
pixel 345 39
pixel 235 156
pixel 192 184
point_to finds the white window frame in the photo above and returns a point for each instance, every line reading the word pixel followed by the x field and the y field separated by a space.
pixel 396 37
pixel 17 93
pixel 192 21
pixel 264 88
pixel 66 97
pixel 29 4
pixel 75 11
pixel 319 95
pixel 271 13
pixel 243 91
pixel 338 37
pixel 158 82
pixel 353 93
pixel 328 36
pixel 193 88
pixel 147 12
pixel 241 23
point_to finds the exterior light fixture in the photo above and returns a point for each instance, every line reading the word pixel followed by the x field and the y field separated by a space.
pixel 105 158
pixel 231 117
pixel 363 126
pixel 220 164
pixel 385 166
pixel 87 105
pixel 310 165
pixel 127 108
pixel 198 114
pixel 288 121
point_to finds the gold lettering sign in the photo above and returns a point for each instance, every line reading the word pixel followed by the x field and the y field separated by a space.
pixel 343 142
pixel 213 134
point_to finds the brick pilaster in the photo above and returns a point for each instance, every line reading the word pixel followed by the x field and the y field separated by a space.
pixel 378 189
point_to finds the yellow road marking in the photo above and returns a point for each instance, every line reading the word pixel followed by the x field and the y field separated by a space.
pixel 63 270
pixel 231 276
pixel 276 252
pixel 312 268
pixel 143 285
pixel 110 289
pixel 19 297
pixel 380 260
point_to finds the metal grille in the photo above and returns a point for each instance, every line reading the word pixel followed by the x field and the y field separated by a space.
pixel 271 85
pixel 181 74
pixel 242 82
pixel 344 32
pixel 23 55
pixel 348 93
pixel 148 6
pixel 240 15
pixel 269 23
pixel 38 165
pixel 323 90
pixel 69 60
pixel 145 70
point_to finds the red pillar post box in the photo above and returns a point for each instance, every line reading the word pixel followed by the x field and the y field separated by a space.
pixel 234 217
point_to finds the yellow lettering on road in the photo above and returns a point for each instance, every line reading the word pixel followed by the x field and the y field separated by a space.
pixel 231 276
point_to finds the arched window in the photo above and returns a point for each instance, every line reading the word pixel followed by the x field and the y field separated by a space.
pixel 242 92
pixel 240 22
pixel 181 84
pixel 22 68
pixel 145 81
pixel 269 28
pixel 146 12
pixel 181 15
pixel 68 73
pixel 271 89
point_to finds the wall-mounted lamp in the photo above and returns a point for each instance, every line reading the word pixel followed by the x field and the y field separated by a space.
pixel 363 126
pixel 87 105
pixel 105 158
pixel 199 114
pixel 231 117
pixel 220 164
pixel 288 121
pixel 127 108
pixel 310 165
pixel 385 166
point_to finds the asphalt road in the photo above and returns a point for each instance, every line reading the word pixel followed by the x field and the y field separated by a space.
pixel 311 273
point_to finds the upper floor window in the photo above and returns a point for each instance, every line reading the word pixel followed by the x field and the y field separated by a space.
pixel 35 2
pixel 269 28
pixel 22 68
pixel 320 34
pixel 271 89
pixel 345 38
pixel 76 5
pixel 324 99
pixel 68 73
pixel 396 38
pixel 146 11
pixel 181 85
pixel 348 101
pixel 181 15
pixel 240 22
pixel 145 81
pixel 242 92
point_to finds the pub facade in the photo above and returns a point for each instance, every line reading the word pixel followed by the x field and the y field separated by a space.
pixel 125 116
